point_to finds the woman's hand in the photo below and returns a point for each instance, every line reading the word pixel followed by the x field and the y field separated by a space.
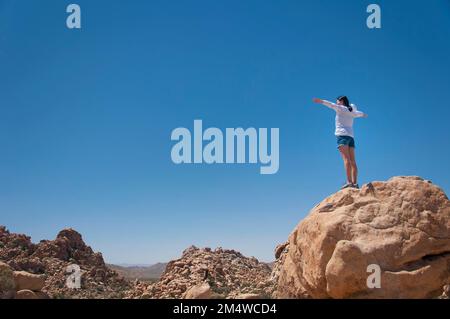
pixel 318 101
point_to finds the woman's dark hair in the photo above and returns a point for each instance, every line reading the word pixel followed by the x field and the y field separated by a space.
pixel 345 101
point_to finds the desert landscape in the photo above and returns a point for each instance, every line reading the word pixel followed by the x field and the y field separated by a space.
pixel 401 225
pixel 149 273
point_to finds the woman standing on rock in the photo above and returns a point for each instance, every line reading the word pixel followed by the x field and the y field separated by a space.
pixel 345 113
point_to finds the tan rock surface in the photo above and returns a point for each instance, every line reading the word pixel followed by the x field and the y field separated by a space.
pixel 27 281
pixel 26 294
pixel 201 291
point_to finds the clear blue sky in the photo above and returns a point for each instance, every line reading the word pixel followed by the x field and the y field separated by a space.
pixel 86 116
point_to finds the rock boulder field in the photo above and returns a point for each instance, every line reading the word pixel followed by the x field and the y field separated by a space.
pixel 36 271
pixel 204 273
pixel 401 226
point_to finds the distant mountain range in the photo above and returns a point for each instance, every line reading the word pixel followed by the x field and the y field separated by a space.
pixel 140 272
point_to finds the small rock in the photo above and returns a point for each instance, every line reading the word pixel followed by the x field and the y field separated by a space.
pixel 249 296
pixel 279 249
pixel 26 294
pixel 146 296
pixel 202 291
pixel 41 295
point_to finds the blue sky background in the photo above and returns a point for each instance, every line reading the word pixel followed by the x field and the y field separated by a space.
pixel 86 116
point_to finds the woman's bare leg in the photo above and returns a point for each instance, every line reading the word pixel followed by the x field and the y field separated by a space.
pixel 353 165
pixel 345 152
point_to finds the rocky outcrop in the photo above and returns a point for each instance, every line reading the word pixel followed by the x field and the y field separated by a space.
pixel 401 226
pixel 205 273
pixel 43 267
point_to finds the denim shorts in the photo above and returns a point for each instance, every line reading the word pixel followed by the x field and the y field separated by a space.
pixel 345 140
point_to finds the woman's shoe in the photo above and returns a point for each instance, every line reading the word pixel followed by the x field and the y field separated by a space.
pixel 347 185
pixel 355 186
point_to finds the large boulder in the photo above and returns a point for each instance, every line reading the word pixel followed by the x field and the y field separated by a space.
pixel 399 229
pixel 26 281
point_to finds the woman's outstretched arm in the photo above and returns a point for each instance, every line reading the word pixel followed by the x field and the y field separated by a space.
pixel 341 108
pixel 360 114
pixel 327 103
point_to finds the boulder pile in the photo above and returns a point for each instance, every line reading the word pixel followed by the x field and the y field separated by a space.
pixel 44 267
pixel 206 273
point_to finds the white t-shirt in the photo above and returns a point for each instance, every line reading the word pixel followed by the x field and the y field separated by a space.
pixel 344 118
